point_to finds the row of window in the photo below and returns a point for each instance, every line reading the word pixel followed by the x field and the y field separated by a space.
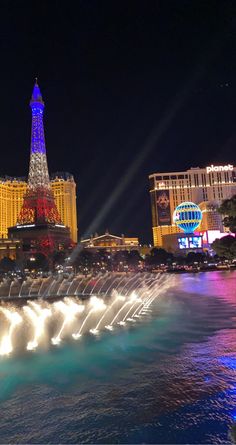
pixel 211 178
pixel 168 177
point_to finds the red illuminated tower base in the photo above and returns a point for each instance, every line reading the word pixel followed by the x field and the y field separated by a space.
pixel 39 224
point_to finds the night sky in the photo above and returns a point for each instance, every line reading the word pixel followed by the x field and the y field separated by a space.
pixel 130 88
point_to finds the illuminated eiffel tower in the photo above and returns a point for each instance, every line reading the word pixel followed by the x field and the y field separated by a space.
pixel 39 224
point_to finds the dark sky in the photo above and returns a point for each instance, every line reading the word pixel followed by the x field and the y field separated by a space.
pixel 130 87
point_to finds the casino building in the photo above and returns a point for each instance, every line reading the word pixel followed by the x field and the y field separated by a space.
pixel 207 187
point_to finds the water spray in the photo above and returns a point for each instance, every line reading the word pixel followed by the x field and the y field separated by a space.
pixel 37 316
pixel 97 305
pixel 118 298
pixel 130 310
pixel 15 319
pixel 110 326
pixel 69 309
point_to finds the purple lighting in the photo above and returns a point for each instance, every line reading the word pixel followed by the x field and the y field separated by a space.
pixel 36 95
pixel 37 135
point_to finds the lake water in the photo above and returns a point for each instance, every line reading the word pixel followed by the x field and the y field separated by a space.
pixel 169 378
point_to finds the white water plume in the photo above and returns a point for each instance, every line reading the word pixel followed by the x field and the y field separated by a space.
pixel 110 326
pixel 97 305
pixel 118 298
pixel 15 319
pixel 130 310
pixel 69 309
pixel 37 317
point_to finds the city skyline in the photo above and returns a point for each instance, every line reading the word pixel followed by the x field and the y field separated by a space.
pixel 118 118
pixel 115 116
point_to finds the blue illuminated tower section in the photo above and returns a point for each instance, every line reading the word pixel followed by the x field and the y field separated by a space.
pixel 38 172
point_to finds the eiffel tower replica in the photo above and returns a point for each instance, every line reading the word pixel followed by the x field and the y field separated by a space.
pixel 39 224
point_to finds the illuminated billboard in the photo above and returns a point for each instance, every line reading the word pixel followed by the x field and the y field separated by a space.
pixel 208 236
pixel 183 243
pixel 195 242
pixel 190 242
pixel 163 207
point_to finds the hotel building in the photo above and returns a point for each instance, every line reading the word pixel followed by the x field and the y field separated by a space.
pixel 207 187
pixel 111 243
pixel 64 190
pixel 12 191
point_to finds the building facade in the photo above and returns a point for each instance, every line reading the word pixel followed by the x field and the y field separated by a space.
pixel 210 185
pixel 111 243
pixel 12 191
pixel 64 190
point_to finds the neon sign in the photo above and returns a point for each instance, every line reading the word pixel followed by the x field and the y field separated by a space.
pixel 219 168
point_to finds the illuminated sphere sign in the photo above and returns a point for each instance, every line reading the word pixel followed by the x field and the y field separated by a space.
pixel 187 216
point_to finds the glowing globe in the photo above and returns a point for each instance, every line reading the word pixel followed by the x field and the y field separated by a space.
pixel 187 216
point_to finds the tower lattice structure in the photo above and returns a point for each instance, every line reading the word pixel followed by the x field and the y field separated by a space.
pixel 39 224
pixel 39 206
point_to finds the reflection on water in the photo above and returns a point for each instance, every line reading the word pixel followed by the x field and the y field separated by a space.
pixel 169 378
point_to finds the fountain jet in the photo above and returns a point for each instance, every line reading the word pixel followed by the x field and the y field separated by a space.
pixel 97 305
pixel 118 298
pixel 130 310
pixel 37 317
pixel 15 319
pixel 69 309
pixel 110 326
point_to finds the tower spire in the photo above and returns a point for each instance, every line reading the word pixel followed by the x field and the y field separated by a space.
pixel 36 97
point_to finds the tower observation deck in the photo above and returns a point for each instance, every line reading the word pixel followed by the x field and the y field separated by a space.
pixel 39 223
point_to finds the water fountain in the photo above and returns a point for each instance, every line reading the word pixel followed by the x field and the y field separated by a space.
pixel 51 314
